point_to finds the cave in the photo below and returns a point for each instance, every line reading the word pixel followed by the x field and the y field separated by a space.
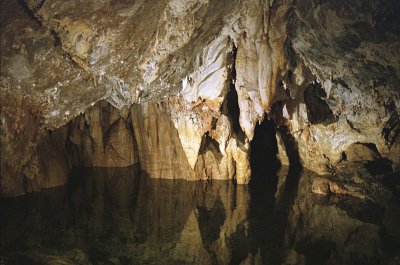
pixel 201 132
pixel 264 152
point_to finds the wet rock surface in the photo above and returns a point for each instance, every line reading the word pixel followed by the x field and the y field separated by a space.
pixel 219 91
pixel 353 98
pixel 325 73
pixel 118 216
pixel 102 137
pixel 159 134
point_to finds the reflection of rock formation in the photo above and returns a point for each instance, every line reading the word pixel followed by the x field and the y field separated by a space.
pixel 113 217
pixel 198 220
pixel 190 247
pixel 169 220
pixel 337 229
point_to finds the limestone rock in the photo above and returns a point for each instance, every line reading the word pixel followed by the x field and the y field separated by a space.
pixel 53 164
pixel 190 132
pixel 282 153
pixel 327 73
pixel 394 154
pixel 391 219
pixel 162 153
pixel 120 148
pixel 20 136
pixel 103 137
pixel 344 103
pixel 326 187
pixel 361 152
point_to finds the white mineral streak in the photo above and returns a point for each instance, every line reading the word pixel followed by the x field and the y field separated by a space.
pixel 210 84
pixel 190 131
pixel 255 80
pixel 211 79
pixel 247 86
pixel 258 63
pixel 223 132
pixel 240 153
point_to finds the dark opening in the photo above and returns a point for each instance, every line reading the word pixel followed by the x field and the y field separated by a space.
pixel 392 127
pixel 263 153
pixel 266 209
pixel 291 148
pixel 233 110
pixel 210 231
pixel 232 101
pixel 209 143
pixel 28 11
pixel 318 110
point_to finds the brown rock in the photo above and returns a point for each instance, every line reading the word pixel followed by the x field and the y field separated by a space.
pixel 321 185
pixel 391 221
pixel 54 168
pixel 120 146
pixel 362 152
pixel 394 154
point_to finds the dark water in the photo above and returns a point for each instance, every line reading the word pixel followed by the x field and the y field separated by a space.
pixel 118 216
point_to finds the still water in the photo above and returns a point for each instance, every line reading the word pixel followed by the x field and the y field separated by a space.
pixel 119 216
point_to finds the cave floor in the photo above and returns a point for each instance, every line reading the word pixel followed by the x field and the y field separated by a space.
pixel 120 216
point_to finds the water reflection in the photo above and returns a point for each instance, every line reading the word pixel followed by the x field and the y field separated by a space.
pixel 119 216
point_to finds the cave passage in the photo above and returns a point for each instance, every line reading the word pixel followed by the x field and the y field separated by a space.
pixel 234 112
pixel 263 154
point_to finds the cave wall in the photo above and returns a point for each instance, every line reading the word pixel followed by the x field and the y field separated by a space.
pixel 148 133
pixel 115 88
pixel 161 148
pixel 102 137
pixel 343 86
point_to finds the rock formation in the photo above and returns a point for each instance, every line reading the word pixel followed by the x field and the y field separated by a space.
pixel 180 86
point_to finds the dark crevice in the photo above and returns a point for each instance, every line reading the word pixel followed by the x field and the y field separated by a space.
pixel 38 5
pixel 292 150
pixel 371 146
pixel 29 12
pixel 352 126
pixel 234 111
pixel 234 56
pixel 342 83
pixel 380 166
pixel 392 126
pixel 208 143
pixel 264 150
pixel 318 110
pixel 264 165
pixel 210 231
pixel 289 53
pixel 57 40
pixel 232 101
